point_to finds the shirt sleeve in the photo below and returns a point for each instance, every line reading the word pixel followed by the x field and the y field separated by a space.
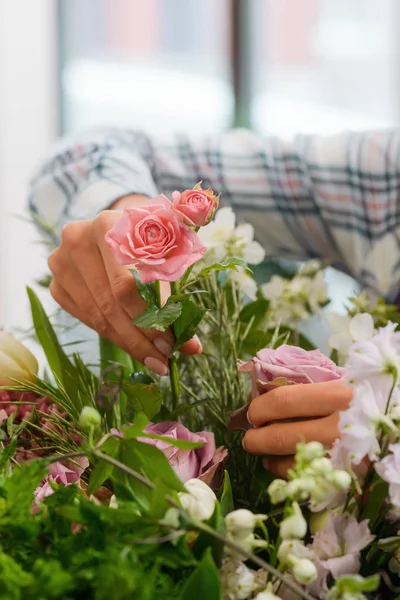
pixel 331 197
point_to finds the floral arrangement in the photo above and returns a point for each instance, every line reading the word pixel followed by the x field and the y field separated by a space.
pixel 126 484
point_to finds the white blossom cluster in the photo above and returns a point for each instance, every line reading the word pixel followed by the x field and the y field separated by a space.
pixel 294 300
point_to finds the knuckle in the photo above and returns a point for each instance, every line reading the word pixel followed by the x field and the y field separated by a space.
pixel 106 305
pixel 122 287
pixel 55 291
pixel 277 441
pixel 71 235
pixel 282 399
pixel 133 347
pixel 98 322
pixel 53 260
pixel 101 223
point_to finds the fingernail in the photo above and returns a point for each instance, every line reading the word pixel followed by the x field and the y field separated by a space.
pixel 156 366
pixel 163 346
pixel 248 416
pixel 198 342
pixel 244 443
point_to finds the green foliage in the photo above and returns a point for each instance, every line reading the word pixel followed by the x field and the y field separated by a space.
pixel 146 398
pixel 230 264
pixel 146 290
pixel 158 318
pixel 204 582
pixel 186 324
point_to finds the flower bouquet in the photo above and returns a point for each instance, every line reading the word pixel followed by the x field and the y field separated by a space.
pixel 123 484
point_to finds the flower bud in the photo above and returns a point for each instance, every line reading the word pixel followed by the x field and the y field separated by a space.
pixel 266 594
pixel 89 418
pixel 237 580
pixel 304 571
pixel 199 501
pixel 277 491
pixel 310 451
pixel 340 479
pixel 290 548
pixel 294 526
pixel 17 363
pixel 321 466
pixel 300 488
pixel 241 523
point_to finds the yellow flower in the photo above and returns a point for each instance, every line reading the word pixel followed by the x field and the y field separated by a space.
pixel 17 363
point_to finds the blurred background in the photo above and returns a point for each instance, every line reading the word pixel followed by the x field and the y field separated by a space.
pixel 277 66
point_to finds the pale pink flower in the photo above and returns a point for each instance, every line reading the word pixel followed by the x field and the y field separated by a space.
pixel 292 363
pixel 201 463
pixel 339 543
pixel 389 469
pixel 376 360
pixel 60 474
pixel 360 424
pixel 196 207
pixel 154 241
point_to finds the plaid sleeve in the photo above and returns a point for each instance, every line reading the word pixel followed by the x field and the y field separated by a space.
pixel 332 197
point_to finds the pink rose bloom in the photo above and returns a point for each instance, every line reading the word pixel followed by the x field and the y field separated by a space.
pixel 199 463
pixel 291 363
pixel 155 242
pixel 59 473
pixel 196 207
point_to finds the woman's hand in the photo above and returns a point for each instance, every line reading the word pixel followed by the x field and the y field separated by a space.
pixel 90 285
pixel 313 411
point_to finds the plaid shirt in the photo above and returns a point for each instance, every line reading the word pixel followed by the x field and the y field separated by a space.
pixel 332 197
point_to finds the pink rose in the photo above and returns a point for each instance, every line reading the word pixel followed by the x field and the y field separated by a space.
pixel 155 242
pixel 197 206
pixel 59 473
pixel 292 364
pixel 199 463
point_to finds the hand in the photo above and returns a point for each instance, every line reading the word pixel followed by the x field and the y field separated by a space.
pixel 90 285
pixel 313 409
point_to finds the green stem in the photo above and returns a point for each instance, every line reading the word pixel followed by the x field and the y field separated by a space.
pixel 172 364
pixel 188 272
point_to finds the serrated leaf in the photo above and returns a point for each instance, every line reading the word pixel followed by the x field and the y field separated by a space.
pixel 232 263
pixel 186 324
pixel 144 398
pixel 158 318
pixel 146 290
pixel 203 582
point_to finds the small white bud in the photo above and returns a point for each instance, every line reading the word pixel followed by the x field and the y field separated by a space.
pixel 266 594
pixel 310 451
pixel 322 466
pixel 304 571
pixel 288 548
pixel 277 491
pixel 89 418
pixel 200 500
pixel 237 580
pixel 294 526
pixel 241 523
pixel 300 488
pixel 340 479
pixel 113 502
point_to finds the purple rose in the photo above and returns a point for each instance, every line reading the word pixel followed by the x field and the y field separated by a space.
pixel 201 463
pixel 290 364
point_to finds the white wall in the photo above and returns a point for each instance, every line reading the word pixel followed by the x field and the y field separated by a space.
pixel 28 123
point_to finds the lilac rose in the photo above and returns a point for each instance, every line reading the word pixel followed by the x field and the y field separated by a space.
pixel 289 364
pixel 202 463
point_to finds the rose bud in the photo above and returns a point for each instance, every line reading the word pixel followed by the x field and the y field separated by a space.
pixel 196 207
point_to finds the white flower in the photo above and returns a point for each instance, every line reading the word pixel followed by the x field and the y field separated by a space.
pixel 339 543
pixel 267 594
pixel 242 522
pixel 310 451
pixel 376 360
pixel 220 229
pixel 200 500
pixel 361 423
pixel 237 581
pixel 294 526
pixel 246 282
pixel 252 252
pixel 348 330
pixel 274 289
pixel 309 268
pixel 17 363
pixel 389 469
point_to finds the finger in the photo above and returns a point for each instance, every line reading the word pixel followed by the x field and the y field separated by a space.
pixel 62 297
pixel 281 439
pixel 279 465
pixel 106 311
pixel 291 401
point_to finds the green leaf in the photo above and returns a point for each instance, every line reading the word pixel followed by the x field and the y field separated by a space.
pixel 144 398
pixel 182 444
pixel 103 470
pixel 60 365
pixel 232 264
pixel 111 354
pixel 254 310
pixel 203 582
pixel 206 541
pixel 136 428
pixel 146 290
pixel 186 324
pixel 378 493
pixel 226 501
pixel 158 318
pixel 7 452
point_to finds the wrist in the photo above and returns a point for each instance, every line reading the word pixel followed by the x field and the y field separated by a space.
pixel 130 201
